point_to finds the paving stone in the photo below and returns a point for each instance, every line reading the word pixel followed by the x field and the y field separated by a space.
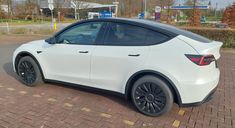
pixel 74 108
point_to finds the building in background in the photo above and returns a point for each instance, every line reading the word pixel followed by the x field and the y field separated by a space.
pixel 84 10
pixel 4 8
pixel 63 8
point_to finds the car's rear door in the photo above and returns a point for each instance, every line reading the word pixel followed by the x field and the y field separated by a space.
pixel 122 53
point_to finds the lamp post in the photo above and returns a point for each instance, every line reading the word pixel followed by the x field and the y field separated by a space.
pixel 145 9
pixel 216 6
pixel 41 12
pixel 74 5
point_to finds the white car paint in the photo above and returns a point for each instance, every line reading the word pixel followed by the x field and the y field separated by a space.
pixel 110 67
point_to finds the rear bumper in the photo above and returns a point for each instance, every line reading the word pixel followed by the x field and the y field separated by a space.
pixel 205 100
pixel 199 91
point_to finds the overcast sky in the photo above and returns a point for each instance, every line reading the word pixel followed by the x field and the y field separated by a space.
pixel 221 3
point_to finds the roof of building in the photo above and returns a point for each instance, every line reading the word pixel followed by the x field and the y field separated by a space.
pixel 67 4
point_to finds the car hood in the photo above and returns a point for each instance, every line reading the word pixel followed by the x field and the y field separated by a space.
pixel 36 43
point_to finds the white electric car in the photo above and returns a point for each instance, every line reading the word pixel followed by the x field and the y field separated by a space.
pixel 150 63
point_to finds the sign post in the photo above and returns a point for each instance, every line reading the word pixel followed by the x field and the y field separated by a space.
pixel 73 5
pixel 51 7
pixel 158 13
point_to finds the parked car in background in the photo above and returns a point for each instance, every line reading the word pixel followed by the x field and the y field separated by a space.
pixel 152 64
pixel 203 19
pixel 222 25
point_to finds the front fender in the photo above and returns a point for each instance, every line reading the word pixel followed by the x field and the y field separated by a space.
pixel 24 50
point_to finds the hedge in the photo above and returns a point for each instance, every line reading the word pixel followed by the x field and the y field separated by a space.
pixel 227 36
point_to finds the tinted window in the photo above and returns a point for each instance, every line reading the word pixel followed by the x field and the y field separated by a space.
pixel 155 38
pixel 129 35
pixel 177 31
pixel 123 34
pixel 83 34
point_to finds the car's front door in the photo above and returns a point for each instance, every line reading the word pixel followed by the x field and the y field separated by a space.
pixel 69 59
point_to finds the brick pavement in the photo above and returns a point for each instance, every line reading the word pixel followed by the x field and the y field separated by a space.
pixel 60 106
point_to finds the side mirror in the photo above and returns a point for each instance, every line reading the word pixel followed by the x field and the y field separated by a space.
pixel 51 40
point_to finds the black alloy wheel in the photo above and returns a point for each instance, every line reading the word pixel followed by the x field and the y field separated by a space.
pixel 28 72
pixel 151 96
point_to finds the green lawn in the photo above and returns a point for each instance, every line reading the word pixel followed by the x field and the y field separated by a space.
pixel 26 22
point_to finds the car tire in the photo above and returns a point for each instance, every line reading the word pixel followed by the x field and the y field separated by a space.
pixel 29 72
pixel 152 96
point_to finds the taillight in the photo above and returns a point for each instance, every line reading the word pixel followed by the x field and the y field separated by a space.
pixel 201 60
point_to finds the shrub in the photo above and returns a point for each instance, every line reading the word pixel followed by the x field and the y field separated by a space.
pixel 19 31
pixel 43 31
pixel 227 36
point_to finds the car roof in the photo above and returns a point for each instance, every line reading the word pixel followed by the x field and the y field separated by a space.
pixel 164 28
pixel 169 30
pixel 139 22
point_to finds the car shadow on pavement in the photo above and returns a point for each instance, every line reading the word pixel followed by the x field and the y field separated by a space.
pixel 8 68
pixel 116 97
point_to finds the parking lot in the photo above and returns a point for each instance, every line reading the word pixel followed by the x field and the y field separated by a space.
pixel 60 106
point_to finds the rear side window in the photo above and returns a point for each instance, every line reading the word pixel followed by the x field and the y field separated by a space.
pixel 120 34
pixel 177 31
pixel 155 38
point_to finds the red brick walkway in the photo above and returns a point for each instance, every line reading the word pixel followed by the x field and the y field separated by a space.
pixel 58 106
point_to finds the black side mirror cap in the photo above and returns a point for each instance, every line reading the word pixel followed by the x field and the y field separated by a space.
pixel 51 40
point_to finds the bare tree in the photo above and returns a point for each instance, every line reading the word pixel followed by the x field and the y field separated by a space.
pixel 9 6
pixel 195 17
pixel 59 4
pixel 79 5
pixel 32 7
pixel 169 3
pixel 130 8
pixel 2 14
pixel 26 9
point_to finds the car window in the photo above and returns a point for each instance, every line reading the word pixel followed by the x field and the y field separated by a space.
pixel 155 38
pixel 129 35
pixel 83 34
pixel 125 35
pixel 177 31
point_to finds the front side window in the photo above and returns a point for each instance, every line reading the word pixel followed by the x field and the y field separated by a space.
pixel 82 34
pixel 129 35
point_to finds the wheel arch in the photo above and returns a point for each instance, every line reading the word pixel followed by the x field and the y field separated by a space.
pixel 137 75
pixel 24 54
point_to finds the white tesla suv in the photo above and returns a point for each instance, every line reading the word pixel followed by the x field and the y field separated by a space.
pixel 150 63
